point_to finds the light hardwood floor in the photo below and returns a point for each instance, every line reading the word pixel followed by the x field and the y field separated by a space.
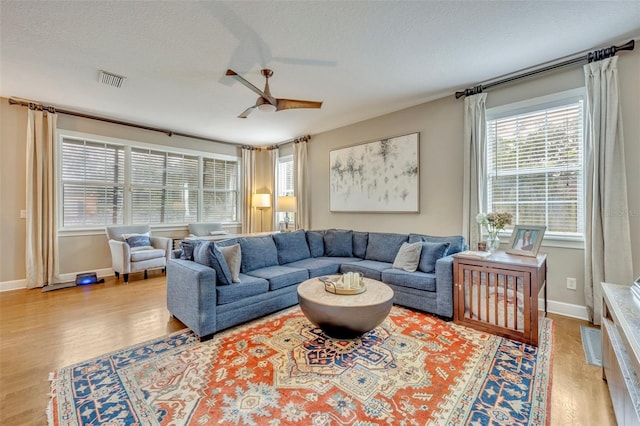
pixel 40 332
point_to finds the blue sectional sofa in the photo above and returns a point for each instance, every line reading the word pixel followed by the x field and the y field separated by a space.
pixel 201 293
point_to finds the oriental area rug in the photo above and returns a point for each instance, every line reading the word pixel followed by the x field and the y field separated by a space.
pixel 413 369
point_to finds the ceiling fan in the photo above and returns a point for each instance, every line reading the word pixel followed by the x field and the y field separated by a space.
pixel 266 102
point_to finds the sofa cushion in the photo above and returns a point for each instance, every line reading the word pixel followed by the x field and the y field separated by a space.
pixel 340 260
pixel 417 280
pixel 408 257
pixel 291 246
pixel 280 276
pixel 258 252
pixel 315 239
pixel 431 252
pixel 368 268
pixel 316 267
pixel 456 242
pixel 140 255
pixel 383 246
pixel 247 287
pixel 338 242
pixel 219 263
pixel 360 240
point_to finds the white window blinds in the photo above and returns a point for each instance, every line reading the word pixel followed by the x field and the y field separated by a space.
pixel 220 190
pixel 164 187
pixel 535 167
pixel 92 176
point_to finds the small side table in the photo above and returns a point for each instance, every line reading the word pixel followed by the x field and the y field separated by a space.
pixel 499 294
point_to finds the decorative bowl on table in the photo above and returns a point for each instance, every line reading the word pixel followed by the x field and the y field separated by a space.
pixel 349 283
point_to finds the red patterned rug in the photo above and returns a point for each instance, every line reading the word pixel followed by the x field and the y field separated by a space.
pixel 414 369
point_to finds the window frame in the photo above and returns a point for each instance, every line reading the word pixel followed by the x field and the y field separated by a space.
pixel 550 101
pixel 127 146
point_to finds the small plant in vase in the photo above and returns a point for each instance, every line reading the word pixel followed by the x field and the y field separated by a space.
pixel 493 223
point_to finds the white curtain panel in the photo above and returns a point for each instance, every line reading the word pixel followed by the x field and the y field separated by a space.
pixel 248 186
pixel 274 154
pixel 607 235
pixel 475 167
pixel 301 183
pixel 42 239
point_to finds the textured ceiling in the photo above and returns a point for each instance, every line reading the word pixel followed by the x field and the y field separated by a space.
pixel 363 59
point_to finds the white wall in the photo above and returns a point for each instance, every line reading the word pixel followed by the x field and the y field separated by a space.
pixel 440 124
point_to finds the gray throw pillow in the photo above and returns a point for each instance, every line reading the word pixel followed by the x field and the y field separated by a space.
pixel 233 256
pixel 431 252
pixel 408 257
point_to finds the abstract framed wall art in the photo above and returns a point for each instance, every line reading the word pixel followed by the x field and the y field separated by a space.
pixel 381 176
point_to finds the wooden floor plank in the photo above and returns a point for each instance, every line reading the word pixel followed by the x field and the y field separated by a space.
pixel 40 332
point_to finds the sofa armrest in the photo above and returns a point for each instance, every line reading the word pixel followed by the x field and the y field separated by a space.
pixel 191 295
pixel 163 243
pixel 120 256
pixel 444 286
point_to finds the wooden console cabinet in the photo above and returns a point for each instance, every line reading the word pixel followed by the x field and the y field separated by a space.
pixel 621 351
pixel 499 294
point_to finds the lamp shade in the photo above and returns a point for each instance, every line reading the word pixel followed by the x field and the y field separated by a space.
pixel 287 204
pixel 261 201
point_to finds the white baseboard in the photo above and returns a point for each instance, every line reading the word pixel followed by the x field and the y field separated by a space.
pixel 21 284
pixel 13 285
pixel 566 309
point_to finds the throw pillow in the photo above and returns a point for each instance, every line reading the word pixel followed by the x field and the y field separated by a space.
pixel 138 241
pixel 233 256
pixel 188 246
pixel 219 264
pixel 408 257
pixel 431 252
pixel 218 233
pixel 338 243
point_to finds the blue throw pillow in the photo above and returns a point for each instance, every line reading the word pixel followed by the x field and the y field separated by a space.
pixel 218 262
pixel 456 242
pixel 188 246
pixel 201 253
pixel 431 252
pixel 292 246
pixel 137 241
pixel 315 239
pixel 338 243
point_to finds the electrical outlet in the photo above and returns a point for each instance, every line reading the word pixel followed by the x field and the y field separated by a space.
pixel 571 283
pixel 23 214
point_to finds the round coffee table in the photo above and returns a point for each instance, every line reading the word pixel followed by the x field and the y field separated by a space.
pixel 345 316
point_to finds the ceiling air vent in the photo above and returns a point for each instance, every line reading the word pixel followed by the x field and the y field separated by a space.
pixel 111 79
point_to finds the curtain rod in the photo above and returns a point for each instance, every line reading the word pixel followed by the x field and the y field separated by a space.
pixel 596 55
pixel 40 106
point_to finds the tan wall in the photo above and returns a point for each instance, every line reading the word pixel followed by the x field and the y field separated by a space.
pixel 440 124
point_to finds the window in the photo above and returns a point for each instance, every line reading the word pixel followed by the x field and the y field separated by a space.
pixel 163 187
pixel 285 184
pixel 92 183
pixel 535 163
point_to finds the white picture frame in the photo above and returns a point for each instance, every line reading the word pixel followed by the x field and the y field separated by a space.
pixel 381 176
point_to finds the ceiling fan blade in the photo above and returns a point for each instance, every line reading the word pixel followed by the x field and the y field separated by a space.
pixel 296 103
pixel 232 73
pixel 247 111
